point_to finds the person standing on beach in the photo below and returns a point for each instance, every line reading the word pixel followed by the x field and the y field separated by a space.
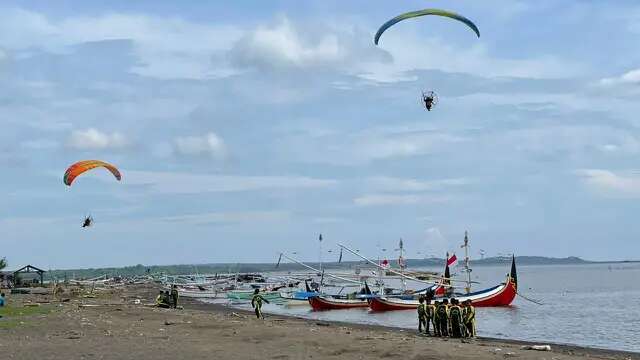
pixel 256 303
pixel 455 319
pixel 469 318
pixel 174 296
pixel 442 312
pixel 422 315
pixel 436 324
pixel 431 313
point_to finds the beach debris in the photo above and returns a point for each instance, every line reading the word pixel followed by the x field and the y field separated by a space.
pixel 322 324
pixel 167 323
pixel 238 315
pixel 74 334
pixel 509 354
pixel 536 347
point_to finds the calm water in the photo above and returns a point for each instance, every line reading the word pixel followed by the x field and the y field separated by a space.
pixel 591 305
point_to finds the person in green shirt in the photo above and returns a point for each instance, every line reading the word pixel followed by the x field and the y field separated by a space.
pixel 431 313
pixel 256 303
pixel 442 312
pixel 422 315
pixel 469 318
pixel 161 300
pixel 455 319
pixel 174 296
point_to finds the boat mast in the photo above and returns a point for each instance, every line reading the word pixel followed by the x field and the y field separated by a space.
pixel 320 262
pixel 467 269
pixel 401 264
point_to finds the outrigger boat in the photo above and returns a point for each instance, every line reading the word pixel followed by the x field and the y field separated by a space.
pixel 499 295
pixel 321 301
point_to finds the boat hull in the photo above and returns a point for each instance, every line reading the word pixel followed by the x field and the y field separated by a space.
pixel 326 303
pixel 500 295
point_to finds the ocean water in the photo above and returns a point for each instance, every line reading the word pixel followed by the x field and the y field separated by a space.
pixel 596 305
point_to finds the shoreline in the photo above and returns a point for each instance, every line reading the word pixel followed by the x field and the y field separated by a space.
pixel 572 349
pixel 121 323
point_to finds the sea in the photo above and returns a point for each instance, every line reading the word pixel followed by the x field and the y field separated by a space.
pixel 594 305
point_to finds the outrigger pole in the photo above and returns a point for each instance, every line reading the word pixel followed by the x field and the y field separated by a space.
pixel 396 272
pixel 389 269
pixel 317 271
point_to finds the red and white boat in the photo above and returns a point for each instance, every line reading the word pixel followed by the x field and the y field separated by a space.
pixel 322 302
pixel 499 295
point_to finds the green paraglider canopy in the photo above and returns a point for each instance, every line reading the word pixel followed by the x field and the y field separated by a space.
pixel 412 14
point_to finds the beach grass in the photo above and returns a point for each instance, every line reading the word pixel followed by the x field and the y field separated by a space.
pixel 13 316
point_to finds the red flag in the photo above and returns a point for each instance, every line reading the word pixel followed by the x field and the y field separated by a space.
pixel 452 260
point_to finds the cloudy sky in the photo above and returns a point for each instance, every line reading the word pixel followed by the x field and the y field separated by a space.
pixel 244 128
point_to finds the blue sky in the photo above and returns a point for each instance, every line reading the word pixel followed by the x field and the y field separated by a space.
pixel 245 128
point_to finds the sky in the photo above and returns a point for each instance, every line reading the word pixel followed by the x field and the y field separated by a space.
pixel 246 128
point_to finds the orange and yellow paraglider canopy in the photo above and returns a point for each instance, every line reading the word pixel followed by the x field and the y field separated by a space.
pixel 81 166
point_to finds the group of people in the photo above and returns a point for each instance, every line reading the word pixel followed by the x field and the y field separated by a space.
pixel 168 300
pixel 448 319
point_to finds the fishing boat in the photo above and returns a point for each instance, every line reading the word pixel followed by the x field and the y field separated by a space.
pixel 499 295
pixel 298 298
pixel 248 295
pixel 326 302
pixel 201 293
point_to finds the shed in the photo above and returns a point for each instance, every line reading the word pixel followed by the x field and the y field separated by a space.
pixel 28 275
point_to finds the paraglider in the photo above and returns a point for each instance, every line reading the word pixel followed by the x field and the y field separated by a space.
pixel 80 167
pixel 429 99
pixel 436 12
pixel 88 221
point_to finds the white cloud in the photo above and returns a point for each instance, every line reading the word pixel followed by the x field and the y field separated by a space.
pixel 436 242
pixel 285 45
pixel 209 144
pixel 389 199
pixel 611 184
pixel 40 144
pixel 93 139
pixel 630 77
pixel 184 183
pixel 383 183
pixel 167 47
pixel 241 217
pixel 446 56
pixel 372 144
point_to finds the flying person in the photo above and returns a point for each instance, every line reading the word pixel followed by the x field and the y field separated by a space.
pixel 88 221
pixel 428 101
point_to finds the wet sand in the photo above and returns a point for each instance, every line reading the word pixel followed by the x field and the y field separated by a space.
pixel 111 326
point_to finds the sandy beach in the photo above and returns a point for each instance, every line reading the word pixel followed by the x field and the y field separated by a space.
pixel 110 325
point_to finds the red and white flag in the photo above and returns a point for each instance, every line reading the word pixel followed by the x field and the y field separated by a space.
pixel 452 261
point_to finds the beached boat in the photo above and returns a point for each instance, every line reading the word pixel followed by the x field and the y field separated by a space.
pixel 248 295
pixel 202 294
pixel 322 302
pixel 499 295
pixel 297 298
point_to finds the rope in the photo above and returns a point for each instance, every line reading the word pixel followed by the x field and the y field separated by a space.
pixel 531 300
